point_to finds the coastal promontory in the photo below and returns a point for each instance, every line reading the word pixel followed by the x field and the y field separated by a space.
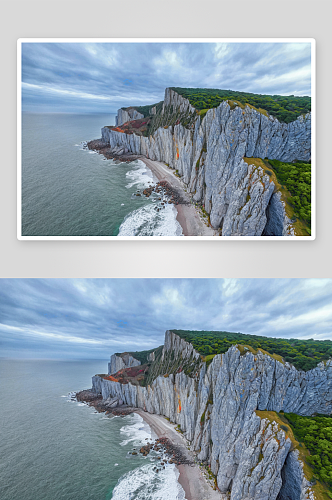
pixel 241 408
pixel 248 168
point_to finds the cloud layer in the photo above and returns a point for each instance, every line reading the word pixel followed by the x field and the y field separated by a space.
pixel 102 77
pixel 93 318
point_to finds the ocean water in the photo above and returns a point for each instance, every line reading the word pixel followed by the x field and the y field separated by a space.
pixel 68 190
pixel 57 449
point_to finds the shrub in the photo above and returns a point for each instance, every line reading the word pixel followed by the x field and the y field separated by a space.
pixel 297 179
pixel 316 434
pixel 303 354
pixel 285 108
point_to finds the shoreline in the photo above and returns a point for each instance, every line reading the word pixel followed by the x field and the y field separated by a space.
pixel 191 477
pixel 187 215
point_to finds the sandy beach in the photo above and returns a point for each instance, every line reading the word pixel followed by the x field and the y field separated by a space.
pixel 191 478
pixel 188 217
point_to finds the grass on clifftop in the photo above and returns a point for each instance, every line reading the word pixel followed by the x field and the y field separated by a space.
pixel 285 108
pixel 145 110
pixel 142 356
pixel 286 421
pixel 293 180
pixel 303 354
pixel 296 178
pixel 314 435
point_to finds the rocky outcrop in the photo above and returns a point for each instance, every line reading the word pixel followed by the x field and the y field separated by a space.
pixel 252 460
pixel 295 486
pixel 151 357
pixel 127 115
pixel 216 409
pixel 209 153
pixel 277 221
pixel 178 346
pixel 178 102
pixel 119 362
pixel 113 402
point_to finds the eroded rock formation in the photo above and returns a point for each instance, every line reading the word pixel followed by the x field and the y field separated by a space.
pixel 117 363
pixel 208 154
pixel 226 412
pixel 295 486
pixel 127 115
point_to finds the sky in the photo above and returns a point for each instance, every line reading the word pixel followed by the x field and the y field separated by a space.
pixel 93 318
pixel 103 77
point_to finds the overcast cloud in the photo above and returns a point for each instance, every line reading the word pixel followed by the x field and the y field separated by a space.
pixel 93 318
pixel 102 77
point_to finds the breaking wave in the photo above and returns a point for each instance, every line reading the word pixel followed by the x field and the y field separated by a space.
pixel 147 221
pixel 136 431
pixel 144 483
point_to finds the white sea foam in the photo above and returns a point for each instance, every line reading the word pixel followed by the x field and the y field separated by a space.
pixel 146 221
pixel 83 145
pixel 135 431
pixel 70 394
pixel 140 175
pixel 144 483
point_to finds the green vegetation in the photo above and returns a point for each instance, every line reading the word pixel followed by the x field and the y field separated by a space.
pixel 142 356
pixel 315 433
pixel 208 359
pixel 145 110
pixel 285 108
pixel 303 354
pixel 321 490
pixel 296 177
pixel 171 116
pixel 203 112
pixel 279 418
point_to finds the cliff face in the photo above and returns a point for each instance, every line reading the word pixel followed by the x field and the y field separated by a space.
pixel 179 103
pixel 225 412
pixel 119 362
pixel 208 155
pixel 294 484
pixel 126 115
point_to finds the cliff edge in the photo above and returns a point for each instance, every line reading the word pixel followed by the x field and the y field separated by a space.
pixel 231 412
pixel 215 154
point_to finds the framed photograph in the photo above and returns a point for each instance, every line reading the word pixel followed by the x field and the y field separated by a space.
pixel 207 139
pixel 120 405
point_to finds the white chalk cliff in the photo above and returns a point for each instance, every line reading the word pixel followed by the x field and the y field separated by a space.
pixel 225 410
pixel 119 362
pixel 127 115
pixel 208 153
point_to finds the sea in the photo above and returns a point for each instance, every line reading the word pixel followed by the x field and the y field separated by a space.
pixel 54 448
pixel 68 190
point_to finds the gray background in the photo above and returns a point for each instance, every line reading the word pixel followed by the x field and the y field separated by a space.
pixel 157 18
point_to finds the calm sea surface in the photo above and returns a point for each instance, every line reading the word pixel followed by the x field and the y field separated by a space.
pixel 55 449
pixel 70 191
